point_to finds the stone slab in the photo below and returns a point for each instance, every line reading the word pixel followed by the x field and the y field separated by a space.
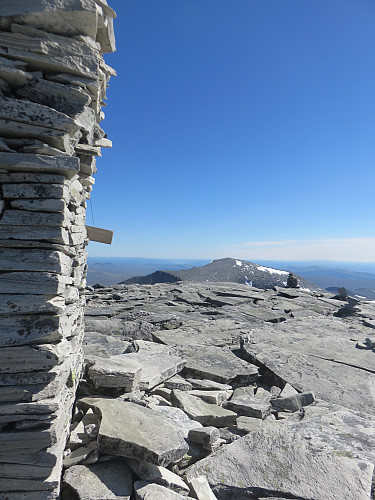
pixel 307 352
pixel 36 114
pixel 217 364
pixel 151 491
pixel 157 474
pixel 204 413
pixel 146 436
pixel 110 480
pixel 39 163
pixel 156 368
pixel 114 372
pixel 329 454
pixel 249 406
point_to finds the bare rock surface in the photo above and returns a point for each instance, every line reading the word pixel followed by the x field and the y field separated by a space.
pixel 152 473
pixel 289 458
pixel 303 352
pixel 152 491
pixel 146 435
pixel 110 480
pixel 205 413
pixel 259 408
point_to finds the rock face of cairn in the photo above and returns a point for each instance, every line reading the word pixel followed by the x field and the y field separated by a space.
pixel 52 83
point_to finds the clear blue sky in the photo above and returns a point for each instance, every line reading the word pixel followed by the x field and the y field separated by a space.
pixel 240 128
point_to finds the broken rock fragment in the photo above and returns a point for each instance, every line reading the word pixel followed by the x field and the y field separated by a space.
pixel 151 491
pixel 217 364
pixel 117 372
pixel 293 403
pixel 199 410
pixel 249 406
pixel 133 431
pixel 157 474
pixel 110 480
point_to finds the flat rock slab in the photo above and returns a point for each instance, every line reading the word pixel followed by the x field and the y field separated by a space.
pixel 180 420
pixel 151 491
pixel 324 456
pixel 160 475
pixel 156 368
pixel 293 403
pixel 133 431
pixel 110 480
pixel 317 355
pixel 201 489
pixel 114 372
pixel 221 332
pixel 218 364
pixel 249 406
pixel 208 385
pixel 199 410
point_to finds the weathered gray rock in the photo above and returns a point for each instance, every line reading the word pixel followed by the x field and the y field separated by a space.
pixel 217 364
pixel 263 394
pixel 249 407
pixel 248 424
pixel 214 397
pixel 179 419
pixel 156 367
pixel 49 205
pixel 55 138
pixel 304 352
pixel 244 391
pixel 205 435
pixel 178 382
pixel 293 403
pixel 151 491
pixel 39 163
pixel 114 372
pixel 12 72
pixel 15 191
pixel 326 455
pixel 111 480
pixel 36 114
pixel 42 233
pixel 86 454
pixel 200 489
pixel 67 99
pixel 205 413
pixel 208 385
pixel 34 304
pixel 35 260
pixel 288 391
pixel 146 436
pixel 152 473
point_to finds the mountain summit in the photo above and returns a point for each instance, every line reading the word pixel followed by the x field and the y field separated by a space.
pixel 225 270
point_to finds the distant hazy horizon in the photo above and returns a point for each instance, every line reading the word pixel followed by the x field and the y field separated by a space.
pixel 355 265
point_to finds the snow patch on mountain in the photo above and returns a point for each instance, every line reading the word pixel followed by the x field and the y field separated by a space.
pixel 270 270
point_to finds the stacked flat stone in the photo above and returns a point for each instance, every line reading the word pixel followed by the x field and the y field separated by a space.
pixel 53 82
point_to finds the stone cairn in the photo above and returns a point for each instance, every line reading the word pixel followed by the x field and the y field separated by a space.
pixel 53 82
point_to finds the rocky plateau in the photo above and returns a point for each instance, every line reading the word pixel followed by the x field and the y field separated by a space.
pixel 226 391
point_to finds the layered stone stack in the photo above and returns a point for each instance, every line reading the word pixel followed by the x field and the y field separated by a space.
pixel 53 82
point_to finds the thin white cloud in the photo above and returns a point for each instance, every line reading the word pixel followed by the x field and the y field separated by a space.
pixel 345 249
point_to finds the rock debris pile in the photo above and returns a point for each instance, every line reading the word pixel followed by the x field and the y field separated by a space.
pixel 53 82
pixel 221 390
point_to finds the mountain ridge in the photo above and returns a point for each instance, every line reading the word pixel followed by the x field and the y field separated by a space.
pixel 225 270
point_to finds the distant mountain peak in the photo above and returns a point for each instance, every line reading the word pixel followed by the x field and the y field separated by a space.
pixel 225 270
